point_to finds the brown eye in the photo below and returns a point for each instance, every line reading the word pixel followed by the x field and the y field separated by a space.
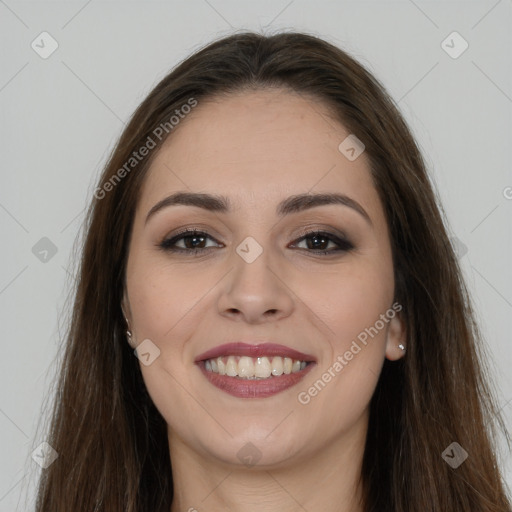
pixel 320 241
pixel 190 241
pixel 193 241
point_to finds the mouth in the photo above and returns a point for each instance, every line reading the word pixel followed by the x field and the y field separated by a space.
pixel 254 371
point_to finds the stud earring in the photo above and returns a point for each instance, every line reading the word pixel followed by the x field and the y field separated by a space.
pixel 128 334
pixel 401 347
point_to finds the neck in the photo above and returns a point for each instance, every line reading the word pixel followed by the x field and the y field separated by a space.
pixel 328 480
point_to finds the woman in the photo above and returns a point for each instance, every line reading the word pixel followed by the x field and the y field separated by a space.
pixel 265 240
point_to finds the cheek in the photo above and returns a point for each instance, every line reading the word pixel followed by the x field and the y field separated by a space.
pixel 166 313
pixel 349 300
pixel 350 306
pixel 168 302
pixel 166 299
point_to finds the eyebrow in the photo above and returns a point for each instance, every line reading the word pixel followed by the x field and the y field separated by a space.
pixel 292 204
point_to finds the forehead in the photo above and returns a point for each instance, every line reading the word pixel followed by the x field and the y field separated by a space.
pixel 257 147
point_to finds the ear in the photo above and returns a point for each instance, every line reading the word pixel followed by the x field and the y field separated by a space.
pixel 396 336
pixel 125 307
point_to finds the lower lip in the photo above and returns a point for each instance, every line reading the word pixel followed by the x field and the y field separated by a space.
pixel 248 388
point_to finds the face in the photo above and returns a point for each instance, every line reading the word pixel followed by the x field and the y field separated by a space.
pixel 294 280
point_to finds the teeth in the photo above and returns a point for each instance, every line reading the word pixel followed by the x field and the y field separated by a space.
pixel 262 368
pixel 231 367
pixel 277 366
pixel 245 367
pixel 254 368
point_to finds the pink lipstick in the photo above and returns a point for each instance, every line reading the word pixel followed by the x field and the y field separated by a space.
pixel 254 371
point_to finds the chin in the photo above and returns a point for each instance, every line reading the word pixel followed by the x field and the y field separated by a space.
pixel 255 447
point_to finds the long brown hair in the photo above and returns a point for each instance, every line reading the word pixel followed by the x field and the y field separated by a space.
pixel 112 441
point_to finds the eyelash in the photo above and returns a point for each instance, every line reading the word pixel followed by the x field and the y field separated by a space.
pixel 167 245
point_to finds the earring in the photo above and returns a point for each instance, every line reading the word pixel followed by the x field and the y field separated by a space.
pixel 129 339
pixel 401 347
pixel 128 333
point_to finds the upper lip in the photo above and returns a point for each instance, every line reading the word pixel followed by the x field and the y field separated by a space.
pixel 259 350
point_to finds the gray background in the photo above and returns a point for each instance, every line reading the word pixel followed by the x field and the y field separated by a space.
pixel 61 116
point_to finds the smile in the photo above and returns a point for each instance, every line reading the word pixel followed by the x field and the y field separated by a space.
pixel 254 367
pixel 254 371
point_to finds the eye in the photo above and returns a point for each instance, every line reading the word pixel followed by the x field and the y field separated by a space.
pixel 319 242
pixel 191 241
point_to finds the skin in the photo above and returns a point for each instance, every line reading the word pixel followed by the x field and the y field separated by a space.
pixel 258 148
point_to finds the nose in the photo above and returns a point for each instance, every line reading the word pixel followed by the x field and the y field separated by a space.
pixel 255 292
